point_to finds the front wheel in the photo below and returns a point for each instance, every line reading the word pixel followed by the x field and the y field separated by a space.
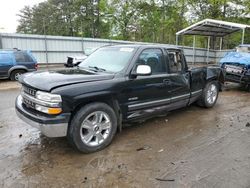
pixel 93 127
pixel 209 95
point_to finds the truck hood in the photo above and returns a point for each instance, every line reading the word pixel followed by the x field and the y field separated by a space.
pixel 236 57
pixel 47 80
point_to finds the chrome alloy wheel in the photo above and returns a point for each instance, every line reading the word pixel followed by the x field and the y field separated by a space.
pixel 212 93
pixel 95 128
pixel 17 76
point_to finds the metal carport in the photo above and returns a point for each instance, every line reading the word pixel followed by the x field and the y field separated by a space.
pixel 212 28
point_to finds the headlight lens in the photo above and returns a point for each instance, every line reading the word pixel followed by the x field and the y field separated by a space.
pixel 48 97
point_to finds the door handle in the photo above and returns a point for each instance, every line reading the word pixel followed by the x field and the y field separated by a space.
pixel 167 81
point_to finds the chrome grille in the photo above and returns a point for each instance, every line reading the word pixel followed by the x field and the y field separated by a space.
pixel 26 92
pixel 31 101
pixel 28 103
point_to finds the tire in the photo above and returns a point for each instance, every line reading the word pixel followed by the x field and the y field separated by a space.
pixel 92 128
pixel 245 86
pixel 209 95
pixel 15 74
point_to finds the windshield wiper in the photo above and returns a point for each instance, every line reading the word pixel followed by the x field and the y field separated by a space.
pixel 97 68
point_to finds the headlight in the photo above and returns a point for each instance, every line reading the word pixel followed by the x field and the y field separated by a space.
pixel 48 97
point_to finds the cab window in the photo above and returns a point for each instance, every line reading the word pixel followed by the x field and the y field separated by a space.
pixel 154 59
pixel 176 62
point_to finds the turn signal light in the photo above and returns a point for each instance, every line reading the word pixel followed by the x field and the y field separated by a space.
pixel 54 110
pixel 47 110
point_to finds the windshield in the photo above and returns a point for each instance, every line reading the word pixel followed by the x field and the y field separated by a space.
pixel 112 59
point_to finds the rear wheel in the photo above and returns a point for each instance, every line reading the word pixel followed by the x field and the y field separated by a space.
pixel 209 95
pixel 245 86
pixel 15 74
pixel 92 128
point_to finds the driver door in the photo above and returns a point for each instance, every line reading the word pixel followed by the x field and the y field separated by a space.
pixel 145 94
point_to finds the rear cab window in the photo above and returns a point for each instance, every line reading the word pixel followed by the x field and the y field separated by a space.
pixel 176 61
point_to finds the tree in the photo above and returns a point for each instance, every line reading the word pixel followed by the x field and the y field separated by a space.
pixel 25 21
pixel 140 20
pixel 124 15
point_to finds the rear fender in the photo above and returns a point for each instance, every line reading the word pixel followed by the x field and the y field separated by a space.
pixel 216 74
pixel 17 67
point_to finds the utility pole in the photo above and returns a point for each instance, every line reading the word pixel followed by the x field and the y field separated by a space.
pixel 45 43
pixel 82 35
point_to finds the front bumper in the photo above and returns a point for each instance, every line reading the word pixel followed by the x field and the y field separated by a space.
pixel 243 78
pixel 50 126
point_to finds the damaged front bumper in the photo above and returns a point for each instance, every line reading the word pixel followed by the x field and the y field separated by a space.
pixel 50 126
pixel 236 73
pixel 238 78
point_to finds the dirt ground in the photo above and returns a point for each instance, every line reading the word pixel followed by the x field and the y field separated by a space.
pixel 191 147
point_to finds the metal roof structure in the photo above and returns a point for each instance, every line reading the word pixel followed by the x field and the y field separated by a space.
pixel 210 27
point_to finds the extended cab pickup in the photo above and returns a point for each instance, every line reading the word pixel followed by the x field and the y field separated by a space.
pixel 115 84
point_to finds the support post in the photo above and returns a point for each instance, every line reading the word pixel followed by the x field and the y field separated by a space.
pixel 208 47
pixel 243 36
pixel 176 40
pixel 1 41
pixel 221 40
pixel 194 49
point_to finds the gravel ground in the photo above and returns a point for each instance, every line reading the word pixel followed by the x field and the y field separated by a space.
pixel 191 147
pixel 6 85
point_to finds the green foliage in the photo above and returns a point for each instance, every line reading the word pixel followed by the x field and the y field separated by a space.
pixel 139 20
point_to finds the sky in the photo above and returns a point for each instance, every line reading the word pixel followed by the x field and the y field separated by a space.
pixel 8 13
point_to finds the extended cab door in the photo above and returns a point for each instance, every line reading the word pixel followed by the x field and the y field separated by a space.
pixel 146 94
pixel 6 62
pixel 179 78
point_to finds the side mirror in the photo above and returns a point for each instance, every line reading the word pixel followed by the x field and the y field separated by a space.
pixel 142 70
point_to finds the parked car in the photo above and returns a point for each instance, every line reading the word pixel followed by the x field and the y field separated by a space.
pixel 14 62
pixel 115 84
pixel 73 61
pixel 236 65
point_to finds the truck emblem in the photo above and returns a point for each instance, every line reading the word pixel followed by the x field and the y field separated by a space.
pixel 133 98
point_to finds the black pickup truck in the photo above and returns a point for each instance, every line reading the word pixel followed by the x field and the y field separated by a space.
pixel 115 84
